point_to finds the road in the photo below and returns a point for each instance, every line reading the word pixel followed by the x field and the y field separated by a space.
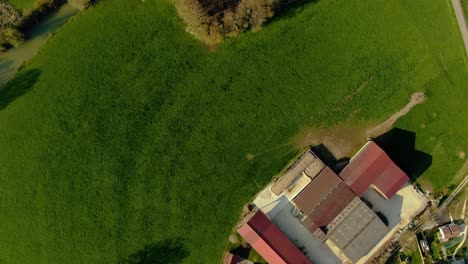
pixel 454 193
pixel 457 7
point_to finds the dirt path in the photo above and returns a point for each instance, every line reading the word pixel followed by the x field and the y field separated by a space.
pixel 462 216
pixel 458 9
pixel 416 98
pixel 461 243
pixel 341 141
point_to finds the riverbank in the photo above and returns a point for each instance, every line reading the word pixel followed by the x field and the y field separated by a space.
pixel 13 59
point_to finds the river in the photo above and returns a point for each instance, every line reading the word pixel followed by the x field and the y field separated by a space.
pixel 11 60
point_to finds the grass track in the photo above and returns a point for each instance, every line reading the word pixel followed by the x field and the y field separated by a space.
pixel 125 132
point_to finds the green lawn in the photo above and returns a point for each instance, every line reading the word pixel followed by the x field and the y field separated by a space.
pixel 126 137
pixel 22 5
pixel 465 7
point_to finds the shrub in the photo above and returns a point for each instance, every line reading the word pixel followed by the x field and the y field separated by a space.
pixel 9 15
pixel 13 36
pixel 247 15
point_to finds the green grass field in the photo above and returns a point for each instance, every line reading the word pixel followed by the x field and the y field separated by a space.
pixel 465 7
pixel 22 5
pixel 125 139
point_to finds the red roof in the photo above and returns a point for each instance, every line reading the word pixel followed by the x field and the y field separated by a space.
pixel 372 166
pixel 270 242
pixel 455 229
pixel 230 258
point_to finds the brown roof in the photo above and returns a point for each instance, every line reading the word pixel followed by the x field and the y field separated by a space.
pixel 317 190
pixel 446 232
pixel 307 163
pixel 323 199
pixel 456 231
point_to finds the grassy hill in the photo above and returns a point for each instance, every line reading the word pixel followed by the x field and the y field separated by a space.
pixel 126 139
pixel 22 4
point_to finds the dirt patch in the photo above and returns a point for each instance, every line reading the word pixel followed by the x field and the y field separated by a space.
pixel 461 155
pixel 212 47
pixel 341 141
pixel 416 98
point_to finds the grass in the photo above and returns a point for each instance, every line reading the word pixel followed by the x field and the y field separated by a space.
pixel 411 251
pixel 465 7
pixel 130 133
pixel 22 5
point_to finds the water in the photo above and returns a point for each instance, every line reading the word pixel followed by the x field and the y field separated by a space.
pixel 12 60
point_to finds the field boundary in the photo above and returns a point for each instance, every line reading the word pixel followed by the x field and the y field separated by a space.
pixel 458 9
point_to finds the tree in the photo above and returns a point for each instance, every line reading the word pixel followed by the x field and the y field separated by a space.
pixel 9 15
pixel 13 36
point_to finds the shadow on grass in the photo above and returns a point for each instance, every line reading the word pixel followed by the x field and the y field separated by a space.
pixel 171 251
pixel 18 86
pixel 290 8
pixel 399 144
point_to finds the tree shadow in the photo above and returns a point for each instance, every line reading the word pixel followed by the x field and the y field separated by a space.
pixel 170 251
pixel 399 145
pixel 18 86
pixel 291 8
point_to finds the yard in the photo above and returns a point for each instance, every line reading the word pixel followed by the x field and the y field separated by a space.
pixel 125 138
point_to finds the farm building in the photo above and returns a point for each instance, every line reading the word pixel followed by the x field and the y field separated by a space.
pixel 327 207
pixel 372 167
pixel 270 242
pixel 332 211
pixel 449 231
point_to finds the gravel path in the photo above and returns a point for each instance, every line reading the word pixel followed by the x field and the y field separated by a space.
pixel 457 7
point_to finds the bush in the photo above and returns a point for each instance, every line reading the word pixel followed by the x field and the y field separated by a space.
pixel 13 36
pixel 247 15
pixel 9 15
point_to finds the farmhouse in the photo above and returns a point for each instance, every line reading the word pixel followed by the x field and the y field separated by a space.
pixel 449 231
pixel 322 212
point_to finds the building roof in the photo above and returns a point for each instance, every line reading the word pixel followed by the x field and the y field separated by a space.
pixel 230 258
pixel 270 242
pixel 371 166
pixel 307 163
pixel 455 229
pixel 445 232
pixel 323 199
pixel 358 231
pixel 366 240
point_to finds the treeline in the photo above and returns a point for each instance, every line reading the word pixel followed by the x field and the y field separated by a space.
pixel 212 28
pixel 14 24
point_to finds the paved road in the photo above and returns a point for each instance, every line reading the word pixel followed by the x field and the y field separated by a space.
pixel 457 7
